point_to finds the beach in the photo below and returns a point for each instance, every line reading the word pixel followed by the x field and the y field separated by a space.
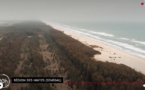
pixel 109 53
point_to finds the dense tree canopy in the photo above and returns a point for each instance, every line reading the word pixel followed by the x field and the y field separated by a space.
pixel 37 50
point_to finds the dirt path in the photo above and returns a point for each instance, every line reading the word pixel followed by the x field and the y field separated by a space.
pixel 52 63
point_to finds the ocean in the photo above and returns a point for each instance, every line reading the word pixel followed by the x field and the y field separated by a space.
pixel 128 37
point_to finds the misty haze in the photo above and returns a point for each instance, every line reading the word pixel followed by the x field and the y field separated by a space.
pixel 83 44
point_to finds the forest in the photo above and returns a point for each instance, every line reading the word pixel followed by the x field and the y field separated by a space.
pixel 34 49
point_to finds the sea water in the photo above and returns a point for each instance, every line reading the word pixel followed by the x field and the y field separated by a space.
pixel 128 36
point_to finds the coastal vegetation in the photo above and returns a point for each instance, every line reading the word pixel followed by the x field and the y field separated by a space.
pixel 33 49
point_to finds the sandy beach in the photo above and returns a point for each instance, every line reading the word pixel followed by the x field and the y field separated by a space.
pixel 109 53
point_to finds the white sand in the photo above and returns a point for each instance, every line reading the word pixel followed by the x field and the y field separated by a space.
pixel 109 53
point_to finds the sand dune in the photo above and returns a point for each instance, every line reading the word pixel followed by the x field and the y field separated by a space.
pixel 109 53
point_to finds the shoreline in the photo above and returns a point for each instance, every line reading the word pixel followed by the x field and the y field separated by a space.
pixel 109 53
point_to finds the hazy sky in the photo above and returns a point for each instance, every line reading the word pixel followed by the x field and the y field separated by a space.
pixel 73 10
